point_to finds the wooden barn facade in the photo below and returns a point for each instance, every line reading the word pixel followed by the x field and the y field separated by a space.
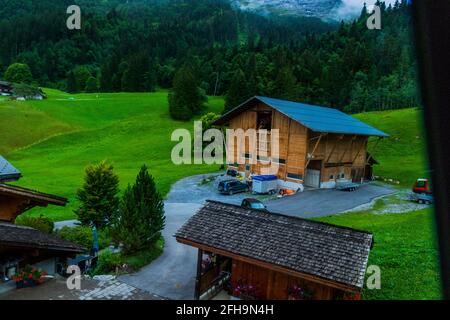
pixel 250 254
pixel 318 146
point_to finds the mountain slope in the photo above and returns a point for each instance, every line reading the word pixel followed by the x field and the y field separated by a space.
pixel 314 8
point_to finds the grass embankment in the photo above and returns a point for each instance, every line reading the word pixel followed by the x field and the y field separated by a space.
pixel 404 249
pixel 402 156
pixel 53 140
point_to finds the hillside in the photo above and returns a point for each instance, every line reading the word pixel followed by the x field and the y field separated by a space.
pixel 402 156
pixel 51 141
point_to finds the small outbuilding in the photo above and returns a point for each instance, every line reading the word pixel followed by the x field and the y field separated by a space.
pixel 251 254
pixel 6 88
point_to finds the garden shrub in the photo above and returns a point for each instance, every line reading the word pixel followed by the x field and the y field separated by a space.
pixel 82 235
pixel 108 262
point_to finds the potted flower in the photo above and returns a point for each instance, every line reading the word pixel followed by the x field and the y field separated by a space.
pixel 29 277
pixel 245 291
pixel 296 292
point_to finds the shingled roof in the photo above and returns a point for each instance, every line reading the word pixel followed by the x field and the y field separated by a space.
pixel 7 171
pixel 317 118
pixel 322 250
pixel 21 236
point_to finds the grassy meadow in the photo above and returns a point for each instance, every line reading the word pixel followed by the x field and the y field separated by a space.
pixel 404 249
pixel 52 141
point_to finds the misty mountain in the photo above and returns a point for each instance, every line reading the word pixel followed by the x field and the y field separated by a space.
pixel 316 8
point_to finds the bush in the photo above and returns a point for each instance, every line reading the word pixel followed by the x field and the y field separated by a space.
pixel 82 236
pixel 40 223
pixel 108 262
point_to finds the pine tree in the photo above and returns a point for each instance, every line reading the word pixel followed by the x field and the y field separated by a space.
pixel 91 85
pixel 98 197
pixel 285 86
pixel 185 98
pixel 71 85
pixel 140 218
pixel 238 91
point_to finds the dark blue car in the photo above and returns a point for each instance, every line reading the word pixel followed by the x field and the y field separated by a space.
pixel 232 186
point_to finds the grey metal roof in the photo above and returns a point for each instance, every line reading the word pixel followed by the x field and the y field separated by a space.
pixel 316 118
pixel 7 171
pixel 326 251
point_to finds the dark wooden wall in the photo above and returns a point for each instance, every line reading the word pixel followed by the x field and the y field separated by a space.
pixel 272 285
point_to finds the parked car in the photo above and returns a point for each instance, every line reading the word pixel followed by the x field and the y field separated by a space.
pixel 422 186
pixel 232 173
pixel 255 204
pixel 232 186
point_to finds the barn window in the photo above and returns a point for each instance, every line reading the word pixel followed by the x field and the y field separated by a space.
pixel 279 161
pixel 264 120
pixel 331 177
pixel 247 167
pixel 295 176
pixel 263 159
pixel 247 156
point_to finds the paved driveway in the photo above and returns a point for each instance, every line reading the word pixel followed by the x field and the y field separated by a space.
pixel 325 202
pixel 172 275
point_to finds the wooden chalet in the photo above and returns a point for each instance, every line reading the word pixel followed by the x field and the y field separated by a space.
pixel 20 245
pixel 252 254
pixel 318 146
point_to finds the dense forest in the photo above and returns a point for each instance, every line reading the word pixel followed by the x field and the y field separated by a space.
pixel 140 45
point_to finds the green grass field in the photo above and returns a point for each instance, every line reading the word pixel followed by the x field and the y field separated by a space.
pixel 52 141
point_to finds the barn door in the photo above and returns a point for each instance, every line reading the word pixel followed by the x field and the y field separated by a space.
pixel 312 178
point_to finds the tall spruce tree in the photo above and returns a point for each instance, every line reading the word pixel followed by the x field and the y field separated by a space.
pixel 71 85
pixel 98 197
pixel 238 91
pixel 140 219
pixel 185 98
pixel 285 86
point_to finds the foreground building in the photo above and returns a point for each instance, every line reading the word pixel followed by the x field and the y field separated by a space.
pixel 318 146
pixel 253 254
pixel 20 245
